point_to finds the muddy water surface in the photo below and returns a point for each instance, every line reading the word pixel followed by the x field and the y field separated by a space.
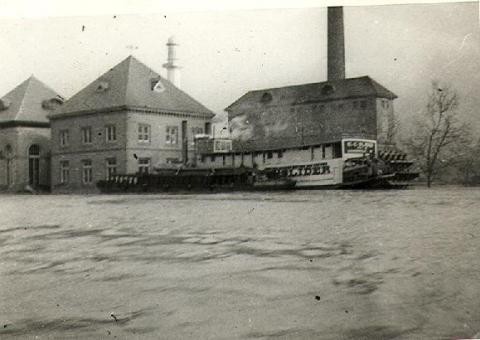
pixel 303 265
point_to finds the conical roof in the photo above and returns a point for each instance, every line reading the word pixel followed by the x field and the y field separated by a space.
pixel 31 101
pixel 132 84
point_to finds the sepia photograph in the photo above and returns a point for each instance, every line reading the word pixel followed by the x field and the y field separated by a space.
pixel 240 170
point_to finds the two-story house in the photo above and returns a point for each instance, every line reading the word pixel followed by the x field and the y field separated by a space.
pixel 126 121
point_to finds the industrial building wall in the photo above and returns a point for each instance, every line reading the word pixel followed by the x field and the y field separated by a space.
pixel 268 127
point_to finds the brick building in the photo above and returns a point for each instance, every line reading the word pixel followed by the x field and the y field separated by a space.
pixel 25 135
pixel 309 114
pixel 126 121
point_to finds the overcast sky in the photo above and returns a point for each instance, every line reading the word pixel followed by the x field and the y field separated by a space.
pixel 225 53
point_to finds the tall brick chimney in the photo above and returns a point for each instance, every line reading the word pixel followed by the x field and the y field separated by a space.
pixel 336 44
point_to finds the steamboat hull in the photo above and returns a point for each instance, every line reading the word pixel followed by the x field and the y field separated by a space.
pixel 193 181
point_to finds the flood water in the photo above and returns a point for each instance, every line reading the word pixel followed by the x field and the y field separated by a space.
pixel 303 265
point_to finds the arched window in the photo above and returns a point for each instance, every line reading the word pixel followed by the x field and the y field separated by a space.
pixel 8 150
pixel 34 150
pixel 34 165
pixel 8 157
pixel 266 97
pixel 328 89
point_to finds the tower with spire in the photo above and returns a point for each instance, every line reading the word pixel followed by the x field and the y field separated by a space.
pixel 173 69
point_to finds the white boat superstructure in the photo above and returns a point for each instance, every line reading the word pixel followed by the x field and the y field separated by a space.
pixel 334 164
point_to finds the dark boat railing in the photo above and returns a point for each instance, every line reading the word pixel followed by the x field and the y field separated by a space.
pixel 180 179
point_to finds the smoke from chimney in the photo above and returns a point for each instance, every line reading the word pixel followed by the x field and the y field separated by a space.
pixel 336 44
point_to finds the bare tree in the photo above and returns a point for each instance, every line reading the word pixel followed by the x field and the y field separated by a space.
pixel 439 135
pixel 468 165
pixel 393 129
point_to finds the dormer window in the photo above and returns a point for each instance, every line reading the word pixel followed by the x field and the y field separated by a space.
pixel 102 86
pixel 327 89
pixel 4 104
pixel 266 97
pixel 157 86
pixel 52 103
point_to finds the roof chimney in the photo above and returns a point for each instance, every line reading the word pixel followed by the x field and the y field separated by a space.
pixel 336 44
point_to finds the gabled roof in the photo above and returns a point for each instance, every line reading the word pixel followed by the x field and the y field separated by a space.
pixel 130 84
pixel 28 102
pixel 315 92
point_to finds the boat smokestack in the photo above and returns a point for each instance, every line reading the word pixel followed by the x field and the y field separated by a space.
pixel 336 44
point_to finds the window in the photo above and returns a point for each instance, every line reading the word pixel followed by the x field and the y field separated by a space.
pixel 111 168
pixel 197 131
pixel 222 145
pixel 212 158
pixel 110 133
pixel 87 171
pixel 327 89
pixel 87 135
pixel 208 128
pixel 64 138
pixel 363 104
pixel 280 153
pixel 224 160
pixel 171 136
pixel 269 155
pixel 34 165
pixel 64 172
pixel 157 86
pixel 172 160
pixel 8 150
pixel 143 133
pixel 337 150
pixel 323 151
pixel 102 87
pixel 143 165
pixel 266 97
